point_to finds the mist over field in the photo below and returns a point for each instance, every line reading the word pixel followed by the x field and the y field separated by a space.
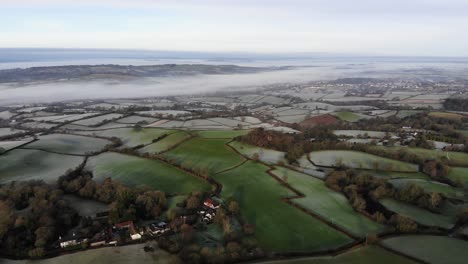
pixel 182 85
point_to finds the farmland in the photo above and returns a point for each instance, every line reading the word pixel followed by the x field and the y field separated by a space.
pixel 22 164
pixel 328 204
pixel 107 255
pixel 459 174
pixel 68 144
pixel 453 158
pixel 137 171
pixel 5 131
pixel 419 215
pixel 432 249
pixel 97 120
pixel 260 198
pixel 265 155
pixel 130 137
pixel 359 160
pixel 166 143
pixel 204 155
pixel 226 134
pixel 430 186
pixel 364 255
pixel 313 172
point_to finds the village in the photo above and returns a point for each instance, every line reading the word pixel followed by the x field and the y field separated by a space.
pixel 129 232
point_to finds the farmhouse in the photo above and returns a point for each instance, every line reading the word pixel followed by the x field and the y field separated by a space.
pixel 158 229
pixel 130 227
pixel 210 203
pixel 71 241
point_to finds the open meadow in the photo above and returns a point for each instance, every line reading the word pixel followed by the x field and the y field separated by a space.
pixel 137 171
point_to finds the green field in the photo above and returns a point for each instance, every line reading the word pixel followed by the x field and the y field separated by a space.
pixel 166 143
pixel 459 174
pixel 209 155
pixel 266 155
pixel 359 160
pixel 226 134
pixel 432 249
pixel 329 204
pixel 129 136
pixel 419 215
pixel 7 145
pixel 279 226
pixel 22 164
pixel 453 158
pixel 93 121
pixel 137 171
pixel 107 255
pixel 348 116
pixel 430 186
pixel 447 115
pixel 68 144
pixel 363 255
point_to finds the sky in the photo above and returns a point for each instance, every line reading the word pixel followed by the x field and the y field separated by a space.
pixel 360 27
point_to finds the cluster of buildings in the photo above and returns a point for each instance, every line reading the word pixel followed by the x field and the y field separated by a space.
pixel 127 232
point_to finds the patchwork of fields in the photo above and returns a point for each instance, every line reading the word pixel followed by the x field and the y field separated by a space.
pixel 279 226
pixel 318 220
pixel 328 204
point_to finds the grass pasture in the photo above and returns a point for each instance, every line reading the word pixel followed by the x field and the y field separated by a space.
pixel 363 255
pixel 207 155
pixel 279 226
pixel 266 155
pixel 328 204
pixel 68 144
pixel 129 136
pixel 222 134
pixel 107 255
pixel 359 160
pixel 136 119
pixel 7 145
pixel 447 115
pixel 419 215
pixel 431 249
pixel 6 131
pixel 453 158
pixel 348 116
pixel 137 171
pixel 97 120
pixel 430 186
pixel 166 143
pixel 25 164
pixel 459 174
